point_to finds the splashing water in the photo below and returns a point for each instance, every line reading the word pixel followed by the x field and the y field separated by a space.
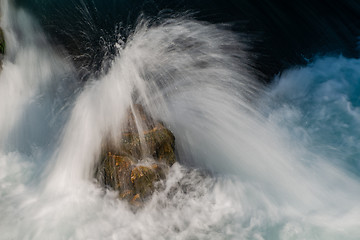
pixel 255 163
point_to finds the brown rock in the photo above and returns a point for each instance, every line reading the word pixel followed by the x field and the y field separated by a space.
pixel 140 160
pixel 115 172
pixel 144 179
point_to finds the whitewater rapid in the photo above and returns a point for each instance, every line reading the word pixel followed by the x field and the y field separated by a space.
pixel 255 162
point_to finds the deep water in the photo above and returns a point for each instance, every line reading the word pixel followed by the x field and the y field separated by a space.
pixel 280 33
pixel 255 161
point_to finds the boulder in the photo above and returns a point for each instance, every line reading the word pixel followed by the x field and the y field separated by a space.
pixel 144 177
pixel 135 165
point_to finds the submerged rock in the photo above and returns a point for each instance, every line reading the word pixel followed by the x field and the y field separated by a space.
pixel 141 158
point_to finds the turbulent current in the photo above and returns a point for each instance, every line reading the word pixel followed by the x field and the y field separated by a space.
pixel 279 161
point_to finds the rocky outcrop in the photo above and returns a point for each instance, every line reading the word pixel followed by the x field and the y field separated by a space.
pixel 142 157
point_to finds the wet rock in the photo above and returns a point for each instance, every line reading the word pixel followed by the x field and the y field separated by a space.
pixel 115 172
pixel 144 177
pixel 140 160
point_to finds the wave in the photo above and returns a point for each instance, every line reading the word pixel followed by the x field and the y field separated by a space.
pixel 255 162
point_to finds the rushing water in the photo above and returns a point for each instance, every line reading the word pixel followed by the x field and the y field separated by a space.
pixel 255 162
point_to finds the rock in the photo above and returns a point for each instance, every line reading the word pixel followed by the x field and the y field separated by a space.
pixel 140 160
pixel 144 177
pixel 115 172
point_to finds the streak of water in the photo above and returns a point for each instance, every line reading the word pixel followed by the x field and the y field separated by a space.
pixel 261 180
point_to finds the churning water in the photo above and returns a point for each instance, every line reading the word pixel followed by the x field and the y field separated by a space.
pixel 255 162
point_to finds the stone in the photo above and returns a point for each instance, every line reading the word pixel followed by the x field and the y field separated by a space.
pixel 135 165
pixel 115 172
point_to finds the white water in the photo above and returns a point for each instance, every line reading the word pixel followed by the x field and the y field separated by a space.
pixel 267 175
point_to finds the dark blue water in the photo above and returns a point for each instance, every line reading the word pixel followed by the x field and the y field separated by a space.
pixel 280 33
